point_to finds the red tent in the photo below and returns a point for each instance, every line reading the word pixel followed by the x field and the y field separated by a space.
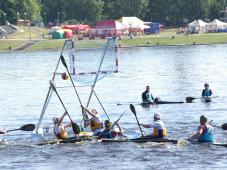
pixel 110 24
pixel 68 33
pixel 77 27
pixel 108 28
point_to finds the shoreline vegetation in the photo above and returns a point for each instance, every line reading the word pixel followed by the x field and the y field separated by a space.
pixel 167 37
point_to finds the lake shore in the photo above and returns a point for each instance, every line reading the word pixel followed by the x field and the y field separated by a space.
pixel 165 38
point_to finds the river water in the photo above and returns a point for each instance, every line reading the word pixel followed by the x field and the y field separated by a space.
pixel 173 74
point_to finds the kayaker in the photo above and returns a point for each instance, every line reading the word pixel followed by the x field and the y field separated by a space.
pixel 147 97
pixel 95 122
pixel 158 126
pixel 109 132
pixel 207 93
pixel 60 130
pixel 205 131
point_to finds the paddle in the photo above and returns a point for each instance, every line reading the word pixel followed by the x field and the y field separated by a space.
pixel 133 103
pixel 28 127
pixel 113 124
pixel 75 127
pixel 65 65
pixel 132 108
pixel 224 126
pixel 190 99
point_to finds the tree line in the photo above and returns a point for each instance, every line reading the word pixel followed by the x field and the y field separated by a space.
pixel 167 12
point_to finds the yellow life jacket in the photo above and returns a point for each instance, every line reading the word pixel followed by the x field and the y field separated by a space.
pixel 95 125
pixel 63 133
pixel 159 132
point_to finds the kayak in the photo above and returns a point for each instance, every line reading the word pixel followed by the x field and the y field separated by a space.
pixel 121 140
pixel 206 100
pixel 68 140
pixel 160 102
pixel 141 140
pixel 83 136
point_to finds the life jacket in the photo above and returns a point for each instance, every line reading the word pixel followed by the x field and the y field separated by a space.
pixel 146 96
pixel 96 124
pixel 207 135
pixel 206 92
pixel 159 129
pixel 60 132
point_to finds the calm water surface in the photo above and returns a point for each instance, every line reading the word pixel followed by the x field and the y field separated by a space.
pixel 172 72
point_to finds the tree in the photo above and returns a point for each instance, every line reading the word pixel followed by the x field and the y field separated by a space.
pixel 12 7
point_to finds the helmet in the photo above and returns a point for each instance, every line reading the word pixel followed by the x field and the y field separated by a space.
pixel 94 111
pixel 157 115
pixel 107 123
pixel 203 119
pixel 206 85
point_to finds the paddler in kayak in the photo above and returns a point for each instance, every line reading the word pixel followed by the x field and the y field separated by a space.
pixel 147 97
pixel 95 122
pixel 59 129
pixel 158 126
pixel 206 93
pixel 205 131
pixel 109 132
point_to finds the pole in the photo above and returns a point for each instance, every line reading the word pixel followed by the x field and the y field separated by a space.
pixel 5 18
pixel 25 23
pixel 17 16
pixel 45 15
pixel 58 20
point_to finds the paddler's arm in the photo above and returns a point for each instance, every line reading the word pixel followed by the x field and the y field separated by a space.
pixel 61 119
pixel 68 125
pixel 88 111
pixel 146 125
pixel 119 127
pixel 197 135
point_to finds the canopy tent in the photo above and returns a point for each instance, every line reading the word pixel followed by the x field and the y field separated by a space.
pixel 134 24
pixel 68 33
pixel 77 27
pixel 197 26
pixel 215 25
pixel 108 28
pixel 58 34
pixel 53 29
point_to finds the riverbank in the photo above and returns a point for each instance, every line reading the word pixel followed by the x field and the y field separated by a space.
pixel 166 37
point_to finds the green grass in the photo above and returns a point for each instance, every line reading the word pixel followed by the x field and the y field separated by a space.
pixel 166 37
pixel 26 32
pixel 151 40
pixel 6 44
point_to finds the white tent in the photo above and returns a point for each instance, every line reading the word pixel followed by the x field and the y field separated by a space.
pixel 215 25
pixel 133 22
pixel 197 26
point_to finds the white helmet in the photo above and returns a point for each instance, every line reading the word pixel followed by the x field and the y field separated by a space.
pixel 157 115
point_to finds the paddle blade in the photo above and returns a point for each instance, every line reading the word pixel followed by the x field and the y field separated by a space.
pixel 28 127
pixel 189 99
pixel 63 61
pixel 76 128
pixel 132 108
pixel 224 126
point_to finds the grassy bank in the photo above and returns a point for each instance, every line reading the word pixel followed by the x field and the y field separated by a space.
pixel 166 37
